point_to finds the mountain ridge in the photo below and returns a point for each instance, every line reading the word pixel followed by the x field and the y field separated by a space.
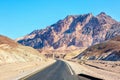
pixel 74 30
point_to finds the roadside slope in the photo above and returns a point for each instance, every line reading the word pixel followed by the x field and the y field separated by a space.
pixel 108 50
pixel 10 52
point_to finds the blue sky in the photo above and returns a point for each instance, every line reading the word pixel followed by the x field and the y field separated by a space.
pixel 20 17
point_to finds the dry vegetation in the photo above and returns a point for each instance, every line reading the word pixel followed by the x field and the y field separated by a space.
pixel 111 66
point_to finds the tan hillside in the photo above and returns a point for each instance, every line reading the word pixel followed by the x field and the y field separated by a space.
pixel 11 51
pixel 73 53
pixel 108 50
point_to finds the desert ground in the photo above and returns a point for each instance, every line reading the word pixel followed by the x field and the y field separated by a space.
pixel 106 70
pixel 15 71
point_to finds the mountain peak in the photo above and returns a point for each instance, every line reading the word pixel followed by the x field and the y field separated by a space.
pixel 102 13
pixel 76 16
pixel 89 14
pixel 104 18
pixel 74 30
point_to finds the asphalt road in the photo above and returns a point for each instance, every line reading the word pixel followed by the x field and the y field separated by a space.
pixel 58 71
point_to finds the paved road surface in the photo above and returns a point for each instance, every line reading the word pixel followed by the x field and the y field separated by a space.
pixel 58 71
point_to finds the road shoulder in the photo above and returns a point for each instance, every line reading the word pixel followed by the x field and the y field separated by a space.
pixel 92 71
pixel 15 71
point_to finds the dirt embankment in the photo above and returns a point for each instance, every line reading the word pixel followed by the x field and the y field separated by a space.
pixel 14 71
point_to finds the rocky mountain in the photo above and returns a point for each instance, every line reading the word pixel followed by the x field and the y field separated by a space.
pixel 108 50
pixel 113 31
pixel 74 30
pixel 10 52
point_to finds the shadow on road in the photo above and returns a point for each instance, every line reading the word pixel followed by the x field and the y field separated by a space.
pixel 87 77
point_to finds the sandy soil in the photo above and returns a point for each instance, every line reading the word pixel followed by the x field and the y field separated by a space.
pixel 15 71
pixel 111 66
pixel 101 69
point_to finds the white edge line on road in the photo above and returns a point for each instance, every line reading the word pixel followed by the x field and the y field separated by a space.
pixel 70 69
pixel 26 75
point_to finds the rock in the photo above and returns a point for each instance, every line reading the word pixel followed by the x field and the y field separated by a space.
pixel 75 30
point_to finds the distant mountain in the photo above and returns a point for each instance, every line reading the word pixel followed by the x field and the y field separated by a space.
pixel 113 31
pixel 10 51
pixel 108 50
pixel 75 30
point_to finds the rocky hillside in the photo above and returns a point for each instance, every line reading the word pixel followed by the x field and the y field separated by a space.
pixel 108 50
pixel 113 31
pixel 11 51
pixel 74 30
